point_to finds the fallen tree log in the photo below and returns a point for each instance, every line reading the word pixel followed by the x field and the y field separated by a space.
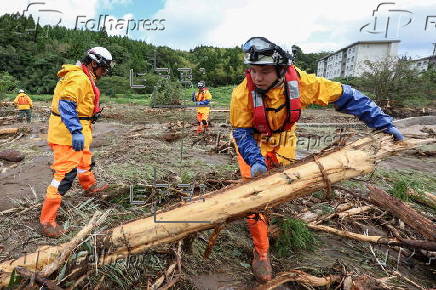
pixel 231 203
pixel 9 131
pixel 408 215
pixel 426 198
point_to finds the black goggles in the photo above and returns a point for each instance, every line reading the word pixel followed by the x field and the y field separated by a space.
pixel 259 45
pixel 106 65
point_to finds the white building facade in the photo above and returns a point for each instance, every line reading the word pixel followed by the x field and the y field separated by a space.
pixel 423 64
pixel 349 61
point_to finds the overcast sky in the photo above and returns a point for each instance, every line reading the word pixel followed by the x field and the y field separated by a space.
pixel 313 25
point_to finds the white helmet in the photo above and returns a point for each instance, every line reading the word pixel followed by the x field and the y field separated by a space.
pixel 21 91
pixel 200 85
pixel 101 55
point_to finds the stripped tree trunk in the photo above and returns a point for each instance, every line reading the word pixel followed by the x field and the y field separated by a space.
pixel 230 203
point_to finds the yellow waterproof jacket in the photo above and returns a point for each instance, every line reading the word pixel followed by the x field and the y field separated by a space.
pixel 23 102
pixel 202 96
pixel 75 86
pixel 313 90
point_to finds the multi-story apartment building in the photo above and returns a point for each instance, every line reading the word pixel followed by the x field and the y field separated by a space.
pixel 349 61
pixel 423 64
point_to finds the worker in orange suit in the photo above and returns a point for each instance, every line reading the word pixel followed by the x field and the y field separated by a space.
pixel 264 110
pixel 24 105
pixel 75 107
pixel 202 99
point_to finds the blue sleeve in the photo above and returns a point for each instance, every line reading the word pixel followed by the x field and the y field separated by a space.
pixel 194 99
pixel 67 110
pixel 355 103
pixel 203 103
pixel 247 146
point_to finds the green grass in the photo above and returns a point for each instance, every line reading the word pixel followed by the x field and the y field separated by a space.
pixel 40 98
pixel 294 235
pixel 317 107
pixel 220 95
pixel 399 182
pixel 417 101
pixel 134 99
pixel 132 173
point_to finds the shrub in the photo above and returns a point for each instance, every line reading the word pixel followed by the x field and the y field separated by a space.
pixel 166 92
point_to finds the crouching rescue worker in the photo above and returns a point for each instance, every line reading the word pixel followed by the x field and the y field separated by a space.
pixel 201 98
pixel 75 106
pixel 24 105
pixel 263 112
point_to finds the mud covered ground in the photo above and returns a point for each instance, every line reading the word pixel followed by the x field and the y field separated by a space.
pixel 136 146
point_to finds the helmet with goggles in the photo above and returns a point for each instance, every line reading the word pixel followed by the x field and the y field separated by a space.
pixel 200 85
pixel 101 56
pixel 261 51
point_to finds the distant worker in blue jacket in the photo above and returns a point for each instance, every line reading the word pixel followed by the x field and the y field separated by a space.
pixel 263 111
pixel 202 99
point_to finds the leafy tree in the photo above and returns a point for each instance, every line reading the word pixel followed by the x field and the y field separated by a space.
pixel 307 61
pixel 390 79
pixel 428 84
pixel 112 85
pixel 8 83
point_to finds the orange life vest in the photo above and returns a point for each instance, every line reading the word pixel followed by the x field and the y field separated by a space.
pixel 22 100
pixel 292 103
pixel 200 95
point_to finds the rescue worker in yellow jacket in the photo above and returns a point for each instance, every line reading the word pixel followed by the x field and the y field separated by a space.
pixel 75 106
pixel 202 99
pixel 24 105
pixel 263 111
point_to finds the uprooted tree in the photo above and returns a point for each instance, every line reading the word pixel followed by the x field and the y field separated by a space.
pixel 212 210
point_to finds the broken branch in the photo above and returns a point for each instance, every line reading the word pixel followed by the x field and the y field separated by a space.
pixel 299 277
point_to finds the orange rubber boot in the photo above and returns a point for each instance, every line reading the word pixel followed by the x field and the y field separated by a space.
pixel 49 227
pixel 96 189
pixel 205 125
pixel 200 128
pixel 261 265
pixel 89 184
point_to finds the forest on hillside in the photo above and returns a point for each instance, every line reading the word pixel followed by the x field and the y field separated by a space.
pixel 30 58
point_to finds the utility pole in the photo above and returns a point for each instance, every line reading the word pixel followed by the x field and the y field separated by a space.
pixel 434 49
